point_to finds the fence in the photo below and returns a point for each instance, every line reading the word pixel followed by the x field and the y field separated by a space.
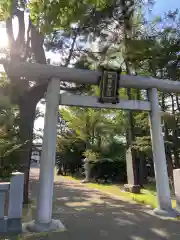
pixel 11 204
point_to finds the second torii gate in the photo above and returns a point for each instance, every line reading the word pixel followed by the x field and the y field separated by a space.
pixel 55 74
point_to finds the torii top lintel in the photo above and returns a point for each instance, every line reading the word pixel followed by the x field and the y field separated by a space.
pixel 23 69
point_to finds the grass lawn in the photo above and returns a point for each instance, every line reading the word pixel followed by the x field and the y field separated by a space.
pixel 147 196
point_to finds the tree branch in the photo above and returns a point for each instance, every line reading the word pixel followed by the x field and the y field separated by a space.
pixel 37 40
pixel 35 93
pixel 20 41
pixel 14 6
pixel 9 31
pixel 27 47
pixel 71 50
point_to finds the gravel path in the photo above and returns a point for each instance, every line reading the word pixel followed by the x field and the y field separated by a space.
pixel 92 215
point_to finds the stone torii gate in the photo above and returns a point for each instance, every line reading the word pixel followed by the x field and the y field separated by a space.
pixel 56 74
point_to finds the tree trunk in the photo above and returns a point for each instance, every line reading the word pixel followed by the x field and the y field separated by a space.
pixel 27 107
pixel 175 133
pixel 130 134
pixel 27 116
pixel 175 147
pixel 167 139
pixel 130 138
pixel 142 157
pixel 142 170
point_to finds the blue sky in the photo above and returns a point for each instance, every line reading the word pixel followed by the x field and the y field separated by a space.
pixel 162 6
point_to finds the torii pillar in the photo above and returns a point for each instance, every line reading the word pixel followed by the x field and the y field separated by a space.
pixel 43 221
pixel 159 158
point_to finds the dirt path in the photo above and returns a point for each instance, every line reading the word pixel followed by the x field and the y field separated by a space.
pixel 92 215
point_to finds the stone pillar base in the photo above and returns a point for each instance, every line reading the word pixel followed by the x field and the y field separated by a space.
pixel 172 213
pixel 85 181
pixel 33 226
pixel 10 226
pixel 132 188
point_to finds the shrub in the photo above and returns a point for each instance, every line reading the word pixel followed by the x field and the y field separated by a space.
pixel 108 170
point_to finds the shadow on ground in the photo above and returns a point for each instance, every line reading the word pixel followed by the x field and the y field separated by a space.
pixel 91 215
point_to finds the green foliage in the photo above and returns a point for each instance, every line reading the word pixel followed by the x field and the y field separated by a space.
pixel 9 157
pixel 5 9
pixel 69 153
pixel 61 14
pixel 9 142
pixel 115 151
pixel 88 124
pixel 90 155
pixel 143 144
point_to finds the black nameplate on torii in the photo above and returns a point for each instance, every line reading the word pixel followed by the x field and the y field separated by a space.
pixel 109 86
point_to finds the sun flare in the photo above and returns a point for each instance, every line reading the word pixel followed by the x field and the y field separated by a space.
pixel 3 35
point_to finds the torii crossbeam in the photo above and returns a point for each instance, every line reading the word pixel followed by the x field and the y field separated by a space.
pixel 83 76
